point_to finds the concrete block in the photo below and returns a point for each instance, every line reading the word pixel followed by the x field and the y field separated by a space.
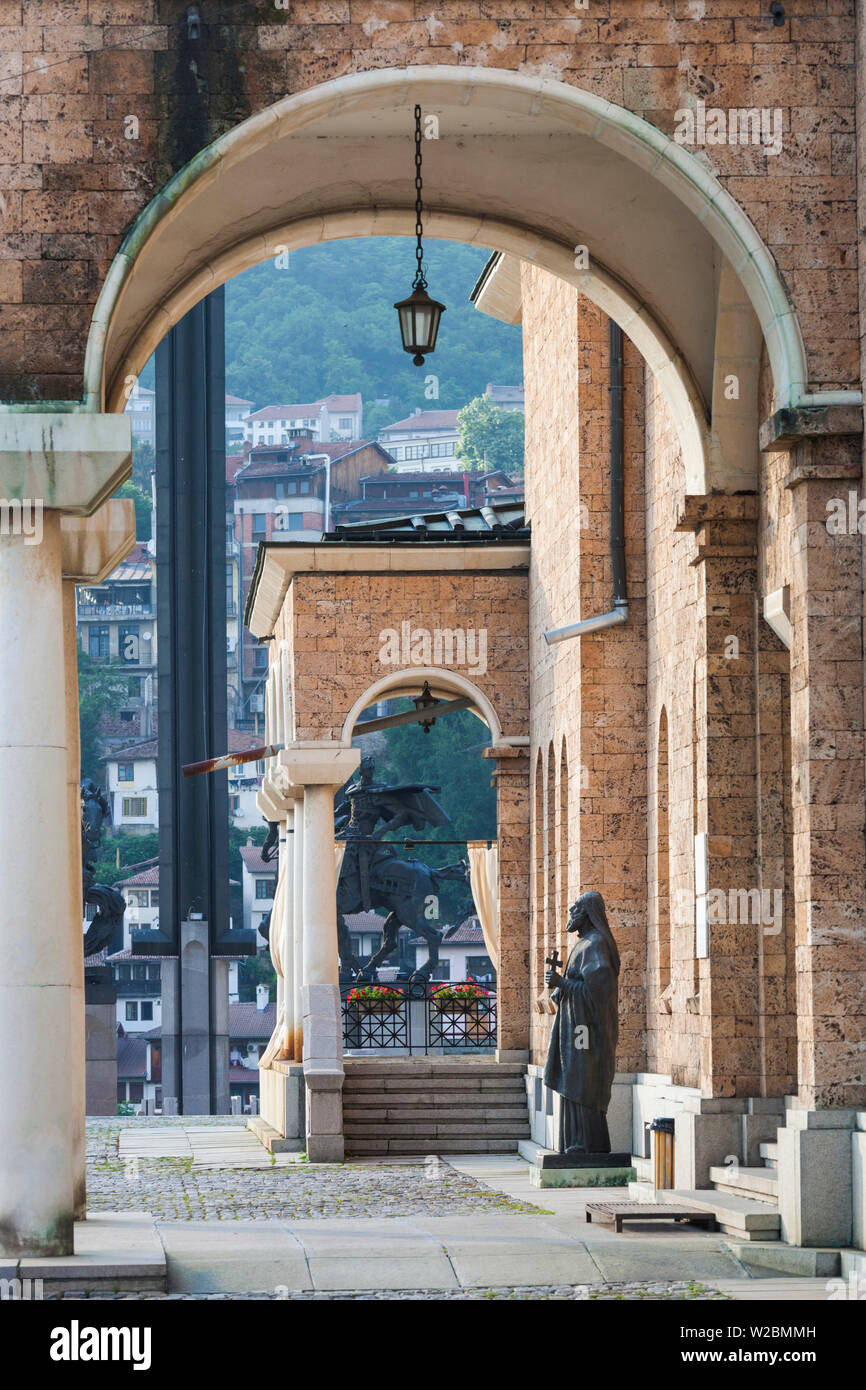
pixel 858 1187
pixel 701 1142
pixel 815 1185
pixel 580 1177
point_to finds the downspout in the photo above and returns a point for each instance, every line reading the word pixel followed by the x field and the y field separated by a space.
pixel 619 610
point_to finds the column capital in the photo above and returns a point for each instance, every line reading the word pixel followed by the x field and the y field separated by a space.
pixel 321 764
pixel 92 546
pixel 70 461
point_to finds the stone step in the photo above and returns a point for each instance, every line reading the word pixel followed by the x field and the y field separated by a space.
pixel 759 1184
pixel 474 1084
pixel 425 1066
pixel 487 1100
pixel 363 1148
pixel 770 1155
pixel 455 1114
pixel 372 1129
pixel 736 1216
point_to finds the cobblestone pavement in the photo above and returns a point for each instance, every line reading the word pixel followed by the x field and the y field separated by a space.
pixel 171 1190
pixel 579 1292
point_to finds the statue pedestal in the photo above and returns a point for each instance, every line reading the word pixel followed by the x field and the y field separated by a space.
pixel 100 1008
pixel 581 1170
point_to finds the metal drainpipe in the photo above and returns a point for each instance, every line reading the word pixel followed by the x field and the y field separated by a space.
pixel 619 611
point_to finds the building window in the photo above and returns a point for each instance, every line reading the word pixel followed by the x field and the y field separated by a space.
pixel 99 643
pixel 133 688
pixel 139 898
pixel 260 659
pixel 135 806
pixel 153 972
pixel 146 1011
pixel 126 772
pixel 136 1091
pixel 345 422
pixel 265 887
pixel 295 521
pixel 154 902
pixel 260 524
pixel 132 1010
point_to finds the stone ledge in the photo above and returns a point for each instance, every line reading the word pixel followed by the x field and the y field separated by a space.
pixel 271 1139
pixel 794 423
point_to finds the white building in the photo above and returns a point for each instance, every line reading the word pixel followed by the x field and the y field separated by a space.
pixel 131 786
pixel 333 417
pixel 259 882
pixel 141 408
pixel 507 397
pixel 141 891
pixel 237 413
pixel 425 442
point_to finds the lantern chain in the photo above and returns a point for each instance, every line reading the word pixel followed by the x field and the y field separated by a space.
pixel 420 278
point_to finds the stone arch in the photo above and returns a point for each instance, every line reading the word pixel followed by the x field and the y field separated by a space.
pixel 182 245
pixel 446 685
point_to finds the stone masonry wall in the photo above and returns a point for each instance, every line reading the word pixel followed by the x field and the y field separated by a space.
pixel 337 621
pixel 73 178
pixel 587 695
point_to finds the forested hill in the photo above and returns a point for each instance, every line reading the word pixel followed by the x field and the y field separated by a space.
pixel 327 323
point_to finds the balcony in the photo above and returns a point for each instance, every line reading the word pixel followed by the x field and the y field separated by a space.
pixel 115 610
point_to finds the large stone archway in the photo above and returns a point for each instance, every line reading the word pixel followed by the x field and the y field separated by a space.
pixel 611 195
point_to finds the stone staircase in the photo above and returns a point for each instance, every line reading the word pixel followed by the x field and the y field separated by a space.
pixel 424 1105
pixel 743 1200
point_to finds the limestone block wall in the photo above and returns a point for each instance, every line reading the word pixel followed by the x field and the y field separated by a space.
pixel 673 1024
pixel 74 171
pixel 335 625
pixel 587 695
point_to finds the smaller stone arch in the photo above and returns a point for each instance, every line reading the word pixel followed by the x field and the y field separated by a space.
pixel 407 681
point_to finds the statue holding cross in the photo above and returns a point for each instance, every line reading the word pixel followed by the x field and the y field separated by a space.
pixel 581 1058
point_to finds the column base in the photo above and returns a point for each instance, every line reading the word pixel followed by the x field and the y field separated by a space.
pixel 815 1164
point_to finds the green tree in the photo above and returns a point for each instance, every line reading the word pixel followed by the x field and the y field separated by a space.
pixel 143 464
pixel 448 757
pixel 121 849
pixel 101 687
pixel 143 508
pixel 490 437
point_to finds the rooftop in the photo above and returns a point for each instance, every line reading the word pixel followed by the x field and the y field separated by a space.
pixel 425 420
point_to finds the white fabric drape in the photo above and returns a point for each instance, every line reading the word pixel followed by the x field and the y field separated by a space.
pixel 278 1045
pixel 484 881
pixel 339 851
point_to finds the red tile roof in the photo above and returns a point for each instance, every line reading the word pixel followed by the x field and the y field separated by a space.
pixel 426 420
pixel 252 857
pixel 246 1021
pixel 239 742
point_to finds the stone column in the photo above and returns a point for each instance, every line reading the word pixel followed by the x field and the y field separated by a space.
pixel 728 901
pixel 827 750
pixel 41 991
pixel 321 771
pixel 91 547
pixel 297 852
pixel 817 1143
pixel 511 780
pixel 52 464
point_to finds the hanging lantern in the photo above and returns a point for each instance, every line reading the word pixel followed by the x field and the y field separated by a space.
pixel 419 315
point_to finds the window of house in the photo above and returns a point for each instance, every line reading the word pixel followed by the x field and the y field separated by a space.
pixel 265 887
pixel 136 1091
pixel 132 1010
pixel 480 968
pixel 345 422
pixel 126 772
pixel 229 588
pixel 260 524
pixel 134 806
pixel 133 688
pixel 146 1011
pixel 139 972
pixel 99 643
pixel 154 902
pixel 234 804
pixel 305 486
pixel 260 659
pixel 295 521
pixel 153 972
pixel 442 971
pixel 139 898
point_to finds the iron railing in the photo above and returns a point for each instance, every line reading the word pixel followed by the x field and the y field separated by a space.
pixel 418 1022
